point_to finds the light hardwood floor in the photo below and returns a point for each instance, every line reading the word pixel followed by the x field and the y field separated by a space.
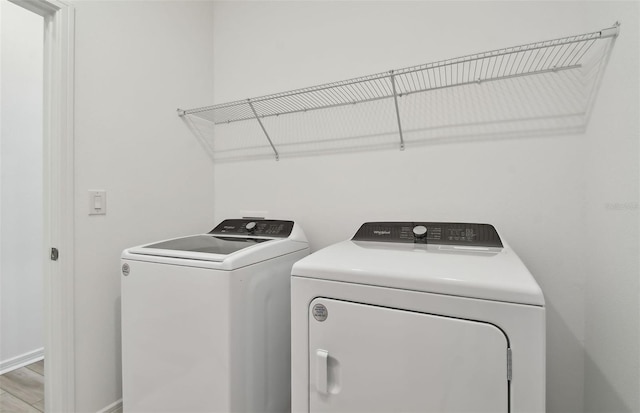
pixel 22 390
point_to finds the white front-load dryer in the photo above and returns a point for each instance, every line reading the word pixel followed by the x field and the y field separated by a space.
pixel 206 320
pixel 417 317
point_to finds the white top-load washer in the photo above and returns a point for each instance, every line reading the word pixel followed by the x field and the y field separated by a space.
pixel 417 317
pixel 206 320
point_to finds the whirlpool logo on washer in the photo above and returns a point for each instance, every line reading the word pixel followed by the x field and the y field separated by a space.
pixel 125 269
pixel 320 312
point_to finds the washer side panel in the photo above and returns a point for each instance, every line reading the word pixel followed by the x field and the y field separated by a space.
pixel 260 378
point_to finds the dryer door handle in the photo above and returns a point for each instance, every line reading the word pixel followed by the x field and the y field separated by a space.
pixel 322 377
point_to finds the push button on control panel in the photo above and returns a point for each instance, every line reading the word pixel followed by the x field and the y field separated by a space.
pixel 420 231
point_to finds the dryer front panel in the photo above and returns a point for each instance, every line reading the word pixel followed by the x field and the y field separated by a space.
pixel 365 358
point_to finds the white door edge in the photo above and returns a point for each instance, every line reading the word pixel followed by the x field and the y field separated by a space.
pixel 58 195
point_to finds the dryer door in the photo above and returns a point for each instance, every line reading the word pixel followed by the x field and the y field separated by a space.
pixel 365 358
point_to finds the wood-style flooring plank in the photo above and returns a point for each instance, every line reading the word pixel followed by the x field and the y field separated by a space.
pixel 11 404
pixel 38 367
pixel 24 384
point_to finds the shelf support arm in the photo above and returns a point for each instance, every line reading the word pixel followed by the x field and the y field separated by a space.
pixel 395 100
pixel 275 151
pixel 612 31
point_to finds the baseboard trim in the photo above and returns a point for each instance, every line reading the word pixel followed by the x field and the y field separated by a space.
pixel 112 407
pixel 22 360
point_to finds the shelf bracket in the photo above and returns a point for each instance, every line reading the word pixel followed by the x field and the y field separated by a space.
pixel 263 129
pixel 612 31
pixel 395 100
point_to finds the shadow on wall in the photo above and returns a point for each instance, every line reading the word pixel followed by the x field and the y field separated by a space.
pixel 117 307
pixel 564 349
pixel 607 400
pixel 441 103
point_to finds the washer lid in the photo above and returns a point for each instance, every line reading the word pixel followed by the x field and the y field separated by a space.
pixel 215 247
pixel 476 272
pixel 234 243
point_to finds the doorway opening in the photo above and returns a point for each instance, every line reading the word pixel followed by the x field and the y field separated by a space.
pixel 52 163
pixel 21 209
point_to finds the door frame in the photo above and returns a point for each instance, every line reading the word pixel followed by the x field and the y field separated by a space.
pixel 58 195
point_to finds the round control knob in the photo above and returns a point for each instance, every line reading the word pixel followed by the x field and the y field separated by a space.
pixel 420 231
pixel 251 226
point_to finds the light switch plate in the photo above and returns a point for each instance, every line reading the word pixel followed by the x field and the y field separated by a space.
pixel 97 202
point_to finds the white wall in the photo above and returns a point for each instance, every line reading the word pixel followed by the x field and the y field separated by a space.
pixel 612 320
pixel 546 195
pixel 136 62
pixel 21 255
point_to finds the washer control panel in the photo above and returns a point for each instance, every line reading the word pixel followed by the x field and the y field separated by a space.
pixel 254 227
pixel 444 233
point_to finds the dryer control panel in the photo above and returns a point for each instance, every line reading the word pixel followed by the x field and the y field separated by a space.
pixel 444 233
pixel 254 227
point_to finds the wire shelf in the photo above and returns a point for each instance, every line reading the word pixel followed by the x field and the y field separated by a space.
pixel 556 55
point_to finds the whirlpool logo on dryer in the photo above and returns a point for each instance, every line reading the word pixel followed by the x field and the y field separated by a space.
pixel 381 232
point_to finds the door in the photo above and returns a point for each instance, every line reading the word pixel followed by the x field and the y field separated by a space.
pixel 59 200
pixel 365 358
